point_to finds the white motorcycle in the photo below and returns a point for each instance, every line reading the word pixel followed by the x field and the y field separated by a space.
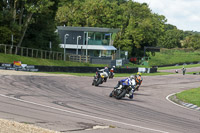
pixel 100 77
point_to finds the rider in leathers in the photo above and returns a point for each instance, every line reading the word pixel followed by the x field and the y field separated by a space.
pixel 138 79
pixel 124 82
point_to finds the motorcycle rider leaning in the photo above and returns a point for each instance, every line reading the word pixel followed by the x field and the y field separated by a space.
pixel 138 80
pixel 124 82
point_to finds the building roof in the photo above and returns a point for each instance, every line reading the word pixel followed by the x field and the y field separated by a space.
pixel 89 47
pixel 88 29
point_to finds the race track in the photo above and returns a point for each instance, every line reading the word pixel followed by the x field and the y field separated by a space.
pixel 70 104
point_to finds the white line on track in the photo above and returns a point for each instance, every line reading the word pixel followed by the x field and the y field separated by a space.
pixel 176 103
pixel 81 114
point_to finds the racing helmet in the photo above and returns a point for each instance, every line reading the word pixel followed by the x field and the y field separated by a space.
pixel 139 73
pixel 131 77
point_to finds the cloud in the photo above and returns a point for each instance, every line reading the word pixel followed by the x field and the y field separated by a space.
pixel 184 14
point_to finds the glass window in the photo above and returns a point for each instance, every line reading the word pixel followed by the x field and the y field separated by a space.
pixel 98 36
pixel 106 53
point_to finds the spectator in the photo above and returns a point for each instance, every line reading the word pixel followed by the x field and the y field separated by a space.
pixel 184 70
pixel 176 71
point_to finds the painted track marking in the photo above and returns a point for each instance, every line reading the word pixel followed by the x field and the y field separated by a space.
pixel 81 114
pixel 176 103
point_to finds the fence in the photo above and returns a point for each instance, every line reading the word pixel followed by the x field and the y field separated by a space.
pixel 79 58
pixel 43 54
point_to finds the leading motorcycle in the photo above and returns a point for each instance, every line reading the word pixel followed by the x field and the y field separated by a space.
pixel 121 92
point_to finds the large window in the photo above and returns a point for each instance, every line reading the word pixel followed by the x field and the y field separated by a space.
pixel 98 38
pixel 106 53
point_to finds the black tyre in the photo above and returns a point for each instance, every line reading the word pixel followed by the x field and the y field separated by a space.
pixel 122 94
pixel 98 82
pixel 111 94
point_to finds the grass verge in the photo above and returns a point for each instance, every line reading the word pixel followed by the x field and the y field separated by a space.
pixel 116 74
pixel 174 56
pixel 179 67
pixel 9 58
pixel 190 96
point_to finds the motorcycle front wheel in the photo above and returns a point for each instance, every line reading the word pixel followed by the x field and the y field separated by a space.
pixel 99 81
pixel 120 95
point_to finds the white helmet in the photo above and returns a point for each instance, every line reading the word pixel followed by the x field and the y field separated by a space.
pixel 131 77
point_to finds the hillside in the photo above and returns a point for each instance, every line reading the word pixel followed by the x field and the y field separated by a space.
pixel 174 56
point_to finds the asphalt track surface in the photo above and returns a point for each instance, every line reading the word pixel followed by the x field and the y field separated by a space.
pixel 70 104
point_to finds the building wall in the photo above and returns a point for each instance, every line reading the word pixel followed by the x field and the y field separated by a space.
pixel 72 38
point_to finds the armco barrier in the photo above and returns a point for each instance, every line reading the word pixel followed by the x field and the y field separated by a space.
pixel 126 70
pixel 74 69
pixel 86 69
pixel 67 69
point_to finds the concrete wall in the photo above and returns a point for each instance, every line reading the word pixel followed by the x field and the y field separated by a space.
pixel 106 60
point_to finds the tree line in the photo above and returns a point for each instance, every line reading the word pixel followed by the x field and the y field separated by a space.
pixel 33 23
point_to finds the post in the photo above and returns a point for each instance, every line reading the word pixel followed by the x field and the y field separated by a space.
pixel 32 52
pixel 5 49
pixel 36 53
pixel 45 54
pixel 78 37
pixel 87 47
pixel 50 45
pixel 65 37
pixel 22 51
pixel 12 41
pixel 144 51
pixel 119 53
pixel 27 52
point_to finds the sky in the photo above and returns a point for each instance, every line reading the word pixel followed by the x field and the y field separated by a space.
pixel 184 14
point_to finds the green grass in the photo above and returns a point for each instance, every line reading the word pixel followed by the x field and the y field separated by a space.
pixel 116 74
pixel 174 56
pixel 190 96
pixel 192 72
pixel 8 58
pixel 179 67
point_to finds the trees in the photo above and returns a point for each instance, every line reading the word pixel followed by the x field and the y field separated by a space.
pixel 42 30
pixel 192 41
pixel 79 13
pixel 141 28
pixel 171 39
pixel 33 22
pixel 19 14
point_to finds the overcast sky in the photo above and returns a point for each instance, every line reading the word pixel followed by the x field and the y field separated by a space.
pixel 184 14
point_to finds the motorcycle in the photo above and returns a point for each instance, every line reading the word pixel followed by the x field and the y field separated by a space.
pixel 121 92
pixel 111 73
pixel 100 77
